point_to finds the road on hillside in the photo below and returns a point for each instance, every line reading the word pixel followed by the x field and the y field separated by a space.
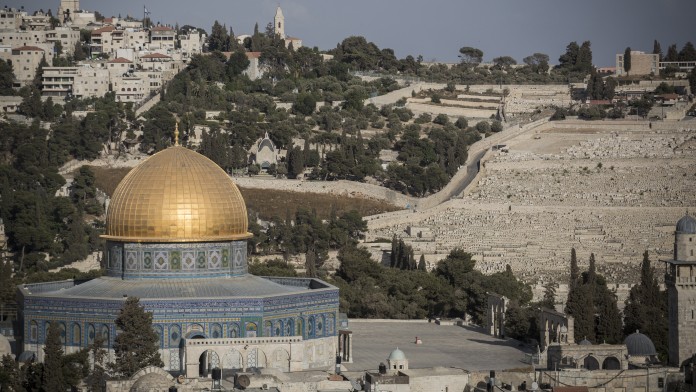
pixel 472 170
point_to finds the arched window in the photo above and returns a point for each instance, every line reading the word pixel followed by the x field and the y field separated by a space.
pixel 611 363
pixel 76 335
pixel 251 330
pixel 174 336
pixel 33 331
pixel 216 331
pixel 104 334
pixel 91 334
pixel 160 337
pixel 320 326
pixel 591 363
pixel 233 332
pixel 63 332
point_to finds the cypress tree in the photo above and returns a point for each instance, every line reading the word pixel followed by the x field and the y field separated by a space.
pixel 97 377
pixel 136 346
pixel 646 309
pixel 421 263
pixel 52 378
pixel 394 250
pixel 627 60
pixel 592 271
pixel 657 49
pixel 574 270
pixel 608 317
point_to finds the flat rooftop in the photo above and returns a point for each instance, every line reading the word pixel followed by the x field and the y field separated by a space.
pixel 443 345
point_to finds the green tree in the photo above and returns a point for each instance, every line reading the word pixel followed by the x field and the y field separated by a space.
pixel 549 299
pixel 470 55
pixel 295 162
pixel 455 266
pixel 10 379
pixel 688 52
pixel 646 309
pixel 96 380
pixel 627 60
pixel 421 263
pixel 504 62
pixel 672 54
pixel 538 62
pixel 570 57
pixel 6 78
pixel 52 379
pixel 237 64
pixel 657 49
pixel 218 39
pixel 135 346
pixel 305 104
pixel 574 269
pixel 39 73
pixel 584 60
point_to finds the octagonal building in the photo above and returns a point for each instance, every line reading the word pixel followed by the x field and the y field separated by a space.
pixel 176 237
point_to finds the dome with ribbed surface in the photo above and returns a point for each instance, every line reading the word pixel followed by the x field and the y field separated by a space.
pixel 585 342
pixel 397 355
pixel 686 225
pixel 639 345
pixel 176 195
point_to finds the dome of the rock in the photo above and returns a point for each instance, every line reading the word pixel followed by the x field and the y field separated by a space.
pixel 177 195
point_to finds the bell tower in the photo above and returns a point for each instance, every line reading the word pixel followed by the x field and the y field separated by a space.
pixel 67 9
pixel 279 23
pixel 680 279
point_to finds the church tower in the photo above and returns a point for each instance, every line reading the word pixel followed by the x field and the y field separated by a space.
pixel 67 9
pixel 680 279
pixel 279 23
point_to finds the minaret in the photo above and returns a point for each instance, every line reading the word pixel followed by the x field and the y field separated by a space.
pixel 279 23
pixel 680 279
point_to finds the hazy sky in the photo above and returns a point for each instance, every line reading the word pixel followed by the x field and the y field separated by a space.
pixel 436 29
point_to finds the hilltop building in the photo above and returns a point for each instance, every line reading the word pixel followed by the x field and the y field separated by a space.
pixel 279 23
pixel 176 237
pixel 641 64
pixel 644 64
pixel 279 30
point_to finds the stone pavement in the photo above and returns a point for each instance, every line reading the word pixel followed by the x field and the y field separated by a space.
pixel 443 345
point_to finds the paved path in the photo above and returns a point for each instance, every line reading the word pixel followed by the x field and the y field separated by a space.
pixel 443 345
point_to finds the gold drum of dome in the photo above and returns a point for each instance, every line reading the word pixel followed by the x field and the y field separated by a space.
pixel 176 195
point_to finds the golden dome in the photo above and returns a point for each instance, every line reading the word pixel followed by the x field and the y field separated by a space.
pixel 177 195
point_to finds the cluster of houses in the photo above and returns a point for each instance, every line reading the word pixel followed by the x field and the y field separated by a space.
pixel 122 56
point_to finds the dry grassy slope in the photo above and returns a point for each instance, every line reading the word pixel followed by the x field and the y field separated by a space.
pixel 268 202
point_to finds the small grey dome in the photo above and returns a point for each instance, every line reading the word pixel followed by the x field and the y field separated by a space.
pixel 639 345
pixel 397 355
pixel 585 342
pixel 686 225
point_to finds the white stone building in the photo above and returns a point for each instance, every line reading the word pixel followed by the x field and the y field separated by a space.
pixel 162 37
pixel 67 37
pixel 25 61
pixel 11 19
pixel 129 88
